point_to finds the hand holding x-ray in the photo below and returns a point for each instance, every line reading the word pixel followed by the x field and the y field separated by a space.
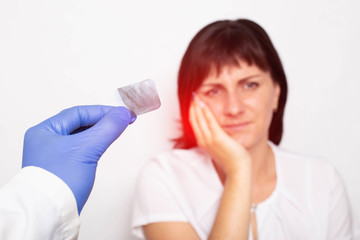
pixel 71 143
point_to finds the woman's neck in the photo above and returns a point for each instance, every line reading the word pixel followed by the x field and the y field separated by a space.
pixel 262 162
pixel 264 176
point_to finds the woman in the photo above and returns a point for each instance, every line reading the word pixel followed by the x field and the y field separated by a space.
pixel 227 179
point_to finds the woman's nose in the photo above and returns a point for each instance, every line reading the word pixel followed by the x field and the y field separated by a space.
pixel 233 105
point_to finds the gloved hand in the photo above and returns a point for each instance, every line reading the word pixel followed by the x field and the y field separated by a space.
pixel 73 157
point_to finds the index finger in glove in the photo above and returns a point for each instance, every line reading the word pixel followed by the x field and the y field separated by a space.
pixel 72 118
pixel 110 127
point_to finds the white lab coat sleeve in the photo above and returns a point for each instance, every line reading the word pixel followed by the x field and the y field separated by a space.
pixel 36 204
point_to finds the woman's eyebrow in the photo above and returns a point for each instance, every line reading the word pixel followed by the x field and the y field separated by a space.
pixel 219 84
pixel 212 84
pixel 249 78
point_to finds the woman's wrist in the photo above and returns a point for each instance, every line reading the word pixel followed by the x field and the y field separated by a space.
pixel 241 169
pixel 241 177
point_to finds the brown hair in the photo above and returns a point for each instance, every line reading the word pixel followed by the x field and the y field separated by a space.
pixel 224 43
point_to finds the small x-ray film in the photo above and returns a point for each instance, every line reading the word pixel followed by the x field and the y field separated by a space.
pixel 140 97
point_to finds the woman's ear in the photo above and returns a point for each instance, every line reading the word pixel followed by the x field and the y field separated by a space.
pixel 276 97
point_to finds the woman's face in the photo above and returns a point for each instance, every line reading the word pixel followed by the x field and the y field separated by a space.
pixel 242 99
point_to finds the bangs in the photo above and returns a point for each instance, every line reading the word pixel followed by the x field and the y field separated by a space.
pixel 228 48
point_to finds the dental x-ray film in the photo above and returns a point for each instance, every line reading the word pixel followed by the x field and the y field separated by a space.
pixel 140 97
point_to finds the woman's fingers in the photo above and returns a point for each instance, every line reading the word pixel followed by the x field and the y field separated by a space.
pixel 212 124
pixel 207 123
pixel 199 135
pixel 209 135
pixel 199 123
pixel 201 120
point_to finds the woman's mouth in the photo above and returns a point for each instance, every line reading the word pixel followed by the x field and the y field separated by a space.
pixel 235 126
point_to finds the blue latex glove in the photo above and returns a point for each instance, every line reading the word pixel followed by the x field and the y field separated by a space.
pixel 53 146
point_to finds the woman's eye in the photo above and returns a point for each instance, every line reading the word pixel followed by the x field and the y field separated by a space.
pixel 213 92
pixel 251 85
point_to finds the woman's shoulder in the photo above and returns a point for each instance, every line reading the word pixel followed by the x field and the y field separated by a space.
pixel 295 162
pixel 304 175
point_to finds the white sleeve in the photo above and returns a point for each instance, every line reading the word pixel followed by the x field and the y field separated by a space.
pixel 154 200
pixel 342 222
pixel 35 205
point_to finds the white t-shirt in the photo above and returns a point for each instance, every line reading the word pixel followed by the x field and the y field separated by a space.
pixel 309 200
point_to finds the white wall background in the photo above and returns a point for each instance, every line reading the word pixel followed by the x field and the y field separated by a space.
pixel 57 54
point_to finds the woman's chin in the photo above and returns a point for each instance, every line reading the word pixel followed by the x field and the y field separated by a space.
pixel 241 139
pixel 248 141
pixel 245 140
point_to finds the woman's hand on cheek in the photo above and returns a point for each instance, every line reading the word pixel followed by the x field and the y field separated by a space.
pixel 230 155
